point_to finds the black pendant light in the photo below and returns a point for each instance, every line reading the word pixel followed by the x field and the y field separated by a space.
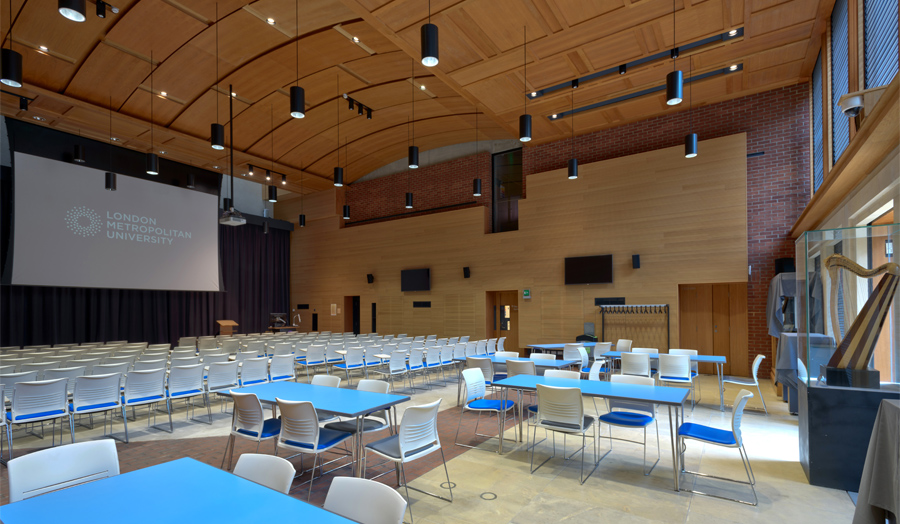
pixel 78 154
pixel 152 159
pixel 191 179
pixel 110 175
pixel 690 140
pixel 74 10
pixel 227 203
pixel 339 171
pixel 429 42
pixel 413 162
pixel 302 217
pixel 409 200
pixel 675 79
pixel 265 227
pixel 298 95
pixel 12 60
pixel 339 175
pixel 110 181
pixel 346 211
pixel 525 119
pixel 23 103
pixel 273 194
pixel 268 175
pixel 573 162
pixel 302 220
pixel 476 184
pixel 476 187
pixel 413 155
pixel 217 130
pixel 283 179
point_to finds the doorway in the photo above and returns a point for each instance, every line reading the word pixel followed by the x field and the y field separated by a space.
pixel 712 319
pixel 502 312
pixel 351 314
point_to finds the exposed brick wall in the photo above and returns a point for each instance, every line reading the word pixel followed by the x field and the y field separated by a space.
pixel 776 123
pixel 438 185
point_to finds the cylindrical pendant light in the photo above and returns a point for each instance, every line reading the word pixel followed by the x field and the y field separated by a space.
pixel 265 227
pixel 152 164
pixel 78 155
pixel 273 194
pixel 12 68
pixel 298 102
pixel 338 177
pixel 524 128
pixel 217 136
pixel 429 45
pixel 302 220
pixel 623 69
pixel 346 212
pixel 227 203
pixel 674 88
pixel 690 145
pixel 110 181
pixel 283 180
pixel 413 157
pixel 409 204
pixel 573 168
pixel 268 175
pixel 72 9
pixel 476 187
pixel 23 103
pixel 190 181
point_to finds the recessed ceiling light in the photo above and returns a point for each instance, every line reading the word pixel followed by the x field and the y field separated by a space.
pixel 163 152
pixel 233 94
pixel 355 39
pixel 162 93
pixel 270 21
pixel 733 32
pixel 533 94
pixel 215 167
pixel 39 118
pixel 733 67
pixel 422 87
pixel 43 48
pixel 115 139
pixel 553 115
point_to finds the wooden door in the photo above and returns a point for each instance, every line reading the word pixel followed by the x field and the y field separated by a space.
pixel 713 320
pixel 503 318
pixel 695 320
pixel 739 330
pixel 721 334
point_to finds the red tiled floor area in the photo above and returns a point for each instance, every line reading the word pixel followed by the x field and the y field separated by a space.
pixel 137 455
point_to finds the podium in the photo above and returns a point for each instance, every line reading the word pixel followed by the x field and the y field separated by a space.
pixel 226 327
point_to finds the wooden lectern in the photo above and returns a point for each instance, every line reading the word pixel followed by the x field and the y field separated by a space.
pixel 226 327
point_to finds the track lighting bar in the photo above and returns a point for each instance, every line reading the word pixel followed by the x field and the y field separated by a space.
pixel 361 109
pixel 623 68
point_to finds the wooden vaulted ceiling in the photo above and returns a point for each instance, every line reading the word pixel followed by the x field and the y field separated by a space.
pixel 87 65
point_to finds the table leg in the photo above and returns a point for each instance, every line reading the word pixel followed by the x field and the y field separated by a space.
pixel 502 419
pixel 672 438
pixel 721 387
pixel 521 398
pixel 358 446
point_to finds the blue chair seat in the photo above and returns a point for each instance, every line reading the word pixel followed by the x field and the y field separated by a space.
pixel 707 434
pixel 433 365
pixel 271 427
pixel 185 393
pixel 312 362
pixel 330 360
pixel 143 399
pixel 348 366
pixel 282 377
pixel 627 418
pixel 585 370
pixel 491 405
pixel 257 381
pixel 675 379
pixel 57 412
pixel 532 408
pixel 93 406
pixel 327 439
pixel 413 368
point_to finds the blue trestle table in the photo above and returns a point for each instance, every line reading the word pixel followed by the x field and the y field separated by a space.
pixel 662 395
pixel 191 491
pixel 540 364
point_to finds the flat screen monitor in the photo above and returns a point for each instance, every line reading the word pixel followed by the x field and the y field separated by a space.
pixel 589 270
pixel 415 280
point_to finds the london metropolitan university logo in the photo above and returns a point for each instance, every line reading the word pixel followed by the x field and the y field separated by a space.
pixel 83 221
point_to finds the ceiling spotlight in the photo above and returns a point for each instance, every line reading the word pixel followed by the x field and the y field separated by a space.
pixel 355 39
pixel 409 201
pixel 674 53
pixel 250 173
pixel 163 152
pixel 359 109
pixel 217 136
pixel 101 9
pixel 533 94
pixel 350 103
pixel 476 187
pixel 339 177
pixel 43 48
pixel 284 180
pixel 115 139
pixel 72 9
pixel 163 94
pixel 79 154
pixel 674 85
pixel 413 157
pixel 110 181
pixel 190 181
pixel 268 175
pixel 215 167
pixel 553 115
pixel 270 21
pixel 302 221
pixel 233 94
pixel 39 118
pixel 525 128
pixel 152 164
pixel 346 212
pixel 733 32
pixel 623 69
pixel 368 114
pixel 422 87
pixel 733 67
pixel 23 103
pixel 575 84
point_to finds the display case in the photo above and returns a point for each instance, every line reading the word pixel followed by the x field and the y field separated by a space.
pixel 847 346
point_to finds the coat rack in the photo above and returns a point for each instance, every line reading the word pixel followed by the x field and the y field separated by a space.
pixel 639 318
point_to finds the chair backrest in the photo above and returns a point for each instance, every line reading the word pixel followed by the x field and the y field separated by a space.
pixel 106 369
pixel 326 380
pixel 459 350
pixel 355 356
pixel 464 339
pixel 87 363
pixel 475 386
pixel 255 371
pixel 636 364
pixel 39 355
pixel 248 414
pixel 97 390
pixel 315 353
pixel 398 361
pixel 182 353
pixel 184 361
pixel 506 354
pixel 127 359
pixel 520 367
pixel 543 356
pixel 299 423
pixel 596 369
pixel 61 359
pixel 433 356
pixel 649 351
pixel 206 343
pixel 231 344
pixel 153 355
pixel 40 368
pixel 214 358
pixel 484 364
pixel 186 378
pixel 365 501
pixel 491 346
pixel 737 413
pixel 11 379
pixel 418 429
pixel 623 345
pixel 416 356
pixel 471 349
pixel 268 470
pixel 331 351
pixel 257 347
pixel 501 344
pixel 601 347
pixel 141 384
pixel 445 354
pixel 39 397
pixel 17 362
pixel 369 357
pixel 221 375
pixel 631 405
pixel 674 366
pixel 690 353
pixel 283 348
pixel 481 347
pixel 570 352
pixel 754 371
pixel 70 373
pixel 282 367
pixel 144 365
pixel 61 467
pixel 560 406
pixel 585 360
pixel 373 386
pixel 562 373
pixel 187 341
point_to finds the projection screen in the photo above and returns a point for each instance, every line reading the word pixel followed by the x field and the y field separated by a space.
pixel 69 231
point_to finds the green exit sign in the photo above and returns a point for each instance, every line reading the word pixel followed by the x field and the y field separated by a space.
pixel 526 294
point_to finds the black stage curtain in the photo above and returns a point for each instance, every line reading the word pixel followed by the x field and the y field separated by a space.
pixel 255 272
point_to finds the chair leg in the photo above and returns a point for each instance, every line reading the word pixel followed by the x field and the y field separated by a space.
pixel 312 477
pixel 406 488
pixel 762 399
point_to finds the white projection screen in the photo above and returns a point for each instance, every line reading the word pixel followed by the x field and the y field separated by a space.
pixel 69 231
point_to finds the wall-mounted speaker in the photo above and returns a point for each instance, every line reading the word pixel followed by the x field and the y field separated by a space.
pixel 370 278
pixel 636 261
pixel 466 272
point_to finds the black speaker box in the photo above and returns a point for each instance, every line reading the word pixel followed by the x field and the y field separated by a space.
pixel 636 261
pixel 370 278
pixel 466 272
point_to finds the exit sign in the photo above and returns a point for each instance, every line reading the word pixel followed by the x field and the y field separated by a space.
pixel 526 294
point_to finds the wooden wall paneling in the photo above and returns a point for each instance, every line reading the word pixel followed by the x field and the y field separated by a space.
pixel 739 329
pixel 721 324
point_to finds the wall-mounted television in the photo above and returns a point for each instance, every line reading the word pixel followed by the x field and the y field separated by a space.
pixel 415 280
pixel 589 270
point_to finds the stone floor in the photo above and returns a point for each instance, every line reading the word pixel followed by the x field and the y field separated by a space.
pixel 492 488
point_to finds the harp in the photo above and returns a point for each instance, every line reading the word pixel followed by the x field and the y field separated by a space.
pixel 855 350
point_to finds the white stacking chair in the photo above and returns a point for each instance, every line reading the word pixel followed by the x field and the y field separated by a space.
pixel 372 422
pixel 214 357
pixel 416 365
pixel 87 363
pixel 41 346
pixel 207 343
pixel 650 352
pixel 255 371
pixel 186 382
pixel 397 368
pixel 18 362
pixel 464 339
pixel 695 367
pixel 255 347
pixel 267 470
pixel 720 437
pixel 153 355
pixel 212 351
pixel 301 433
pixel 146 388
pixel 187 341
pixel 165 347
pixel 11 379
pixel 332 356
pixel 623 344
pixel 446 357
pixel 39 356
pixel 4 370
pixel 491 346
pixel 355 359
pixel 283 348
pixel 481 347
pixel 69 373
pixel 184 361
pixel 63 467
pixel 370 360
pixel 486 367
pixel 417 437
pixel 60 359
pixel 128 360
pixel 561 410
pixel 433 360
pixel 636 364
pixel 5 426
pixel 40 368
pixel 750 382
pixel 563 373
pixel 233 345
pixel 221 376
pixel 676 369
pixel 543 356
pixel 315 356
pixel 98 393
pixel 501 344
pixel 182 353
pixel 632 414
pixel 281 368
pixel 365 501
pixel 149 365
pixel 248 422
pixel 500 369
pixel 41 400
pixel 476 401
pixel 186 350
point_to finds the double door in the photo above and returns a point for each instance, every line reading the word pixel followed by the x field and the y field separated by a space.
pixel 712 319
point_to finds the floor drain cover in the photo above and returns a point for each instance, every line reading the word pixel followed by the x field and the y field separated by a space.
pixel 487 495
pixel 448 485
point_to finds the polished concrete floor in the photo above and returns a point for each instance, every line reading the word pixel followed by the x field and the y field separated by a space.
pixel 499 488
